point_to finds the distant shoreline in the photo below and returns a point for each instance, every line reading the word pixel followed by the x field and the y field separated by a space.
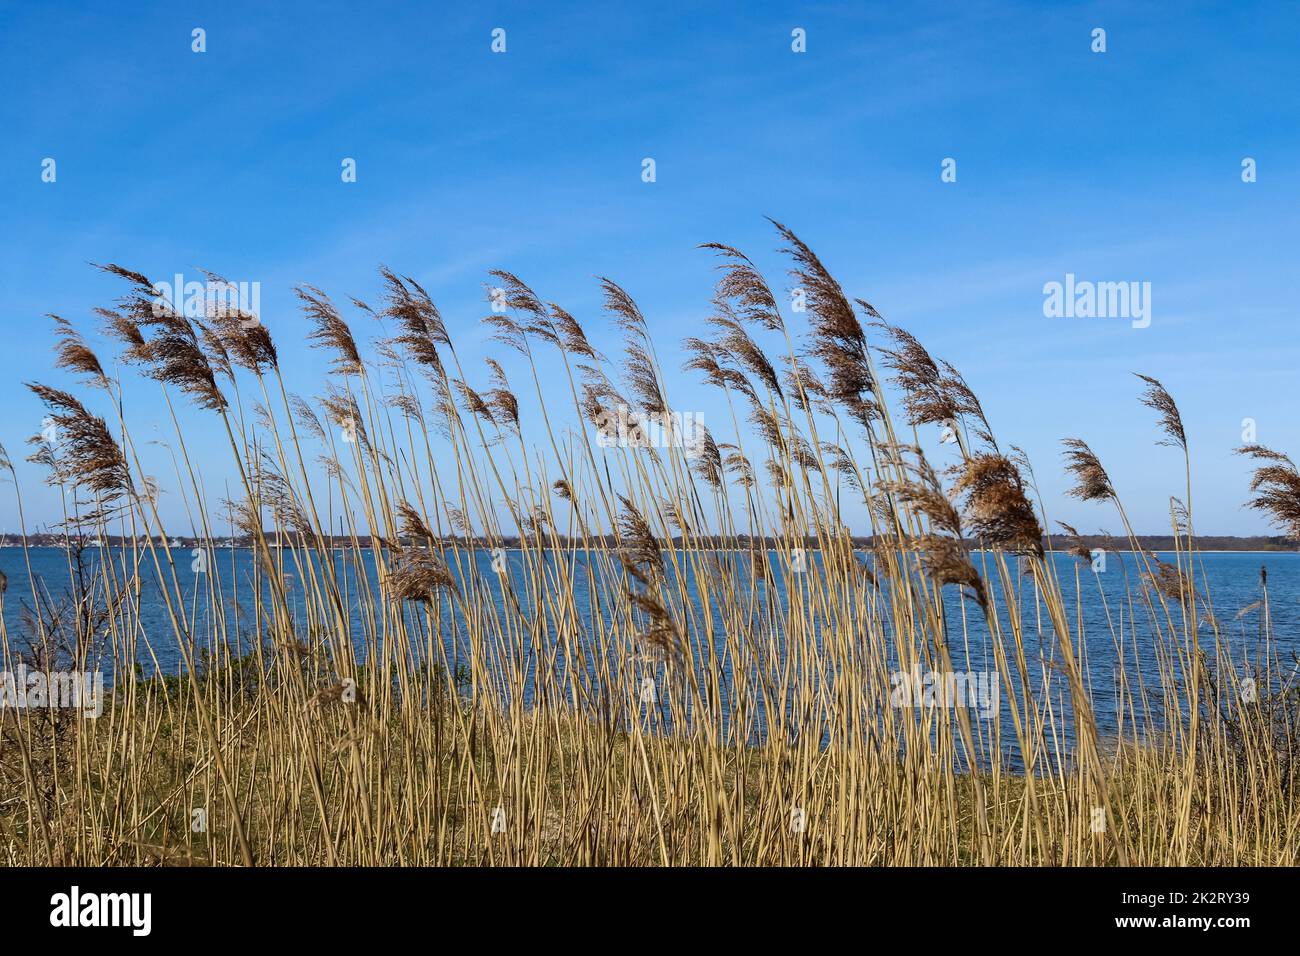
pixel 1152 543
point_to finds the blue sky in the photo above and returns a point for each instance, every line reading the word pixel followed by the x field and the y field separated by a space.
pixel 1115 167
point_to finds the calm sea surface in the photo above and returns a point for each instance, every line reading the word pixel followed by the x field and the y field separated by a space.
pixel 1233 586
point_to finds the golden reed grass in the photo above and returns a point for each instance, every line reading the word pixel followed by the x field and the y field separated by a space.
pixel 650 684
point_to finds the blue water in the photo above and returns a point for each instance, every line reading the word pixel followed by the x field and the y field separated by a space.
pixel 1232 582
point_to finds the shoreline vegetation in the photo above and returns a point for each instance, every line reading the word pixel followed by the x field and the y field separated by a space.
pixel 436 713
pixel 1220 544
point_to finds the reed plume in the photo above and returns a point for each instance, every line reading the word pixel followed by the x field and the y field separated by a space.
pixel 743 291
pixel 172 353
pixel 416 575
pixel 74 355
pixel 661 638
pixel 943 553
pixel 839 341
pixel 1074 544
pixel 1156 398
pixel 87 454
pixel 925 399
pixel 996 504
pixel 420 323
pixel 1091 481
pixel 329 330
pixel 641 549
pixel 1275 485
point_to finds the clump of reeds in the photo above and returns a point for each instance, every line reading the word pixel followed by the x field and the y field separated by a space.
pixel 639 655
